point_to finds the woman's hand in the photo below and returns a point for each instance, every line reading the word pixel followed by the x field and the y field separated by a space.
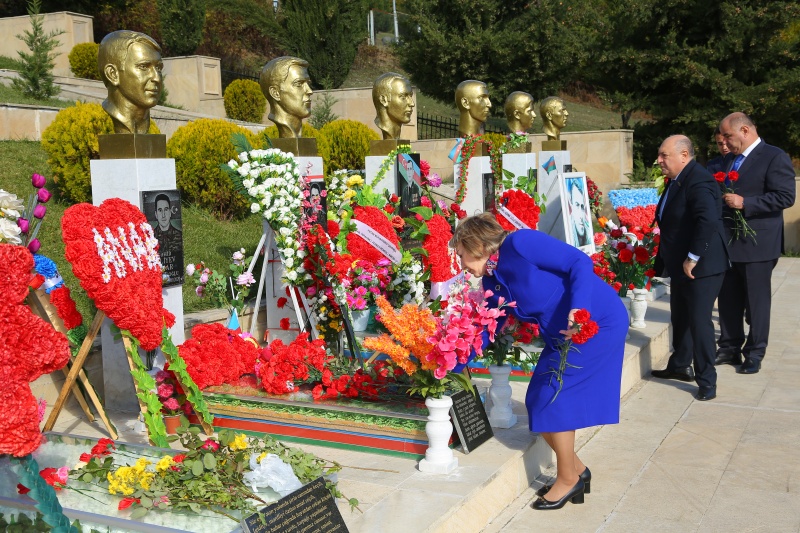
pixel 568 333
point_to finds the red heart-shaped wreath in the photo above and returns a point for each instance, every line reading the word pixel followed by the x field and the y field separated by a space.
pixel 112 251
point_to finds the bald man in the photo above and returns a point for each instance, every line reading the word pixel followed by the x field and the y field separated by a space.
pixel 766 186
pixel 693 253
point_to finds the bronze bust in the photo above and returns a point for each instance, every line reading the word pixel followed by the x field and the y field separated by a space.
pixel 393 98
pixel 554 117
pixel 287 86
pixel 519 112
pixel 472 101
pixel 130 66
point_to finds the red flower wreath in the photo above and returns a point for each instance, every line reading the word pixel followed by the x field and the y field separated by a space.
pixel 376 219
pixel 436 244
pixel 131 295
pixel 29 348
pixel 65 306
pixel 520 204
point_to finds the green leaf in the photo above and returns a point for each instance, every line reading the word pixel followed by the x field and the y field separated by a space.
pixel 146 502
pixel 209 461
pixel 87 478
pixel 138 513
pixel 197 468
pixel 426 212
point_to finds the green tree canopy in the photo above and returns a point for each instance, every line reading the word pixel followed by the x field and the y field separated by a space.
pixel 326 33
pixel 181 25
pixel 689 63
pixel 537 47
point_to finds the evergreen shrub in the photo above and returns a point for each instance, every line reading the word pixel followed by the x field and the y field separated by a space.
pixel 245 101
pixel 343 144
pixel 199 148
pixel 83 61
pixel 498 139
pixel 71 142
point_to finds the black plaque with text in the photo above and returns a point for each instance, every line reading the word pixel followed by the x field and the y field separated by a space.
pixel 470 420
pixel 310 509
pixel 163 212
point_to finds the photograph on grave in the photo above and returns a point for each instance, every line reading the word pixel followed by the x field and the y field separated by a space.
pixel 317 198
pixel 409 183
pixel 488 192
pixel 576 211
pixel 163 212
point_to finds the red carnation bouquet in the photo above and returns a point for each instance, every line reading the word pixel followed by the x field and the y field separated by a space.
pixel 376 219
pixel 582 328
pixel 741 229
pixel 283 367
pixel 439 261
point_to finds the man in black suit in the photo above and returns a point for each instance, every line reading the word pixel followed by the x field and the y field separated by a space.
pixel 717 164
pixel 693 253
pixel 766 186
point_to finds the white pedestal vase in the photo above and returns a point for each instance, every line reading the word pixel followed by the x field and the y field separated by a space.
pixel 360 319
pixel 639 308
pixel 439 457
pixel 500 414
pixel 626 301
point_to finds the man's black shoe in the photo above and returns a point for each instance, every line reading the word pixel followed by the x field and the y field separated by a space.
pixel 681 374
pixel 706 393
pixel 726 358
pixel 750 366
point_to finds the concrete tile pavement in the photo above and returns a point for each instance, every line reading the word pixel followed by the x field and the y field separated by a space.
pixel 676 464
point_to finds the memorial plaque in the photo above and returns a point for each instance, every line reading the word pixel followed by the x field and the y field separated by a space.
pixel 310 509
pixel 470 420
pixel 488 193
pixel 409 183
pixel 163 212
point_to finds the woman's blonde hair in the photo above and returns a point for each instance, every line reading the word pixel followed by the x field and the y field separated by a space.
pixel 479 235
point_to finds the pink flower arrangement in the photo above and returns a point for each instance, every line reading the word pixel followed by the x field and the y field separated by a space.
pixel 366 280
pixel 169 394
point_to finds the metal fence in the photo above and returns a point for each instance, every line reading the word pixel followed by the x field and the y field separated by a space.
pixel 229 76
pixel 437 127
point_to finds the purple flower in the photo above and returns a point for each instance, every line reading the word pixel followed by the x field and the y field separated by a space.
pixel 44 195
pixel 199 290
pixel 246 279
pixel 204 278
pixel 23 224
pixel 34 246
pixel 39 211
pixel 38 181
pixel 434 179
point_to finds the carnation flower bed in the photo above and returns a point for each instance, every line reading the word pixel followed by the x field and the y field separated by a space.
pixel 634 207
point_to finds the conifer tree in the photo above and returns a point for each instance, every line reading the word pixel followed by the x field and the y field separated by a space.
pixel 182 24
pixel 36 75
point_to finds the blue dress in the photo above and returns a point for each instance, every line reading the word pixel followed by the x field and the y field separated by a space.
pixel 547 278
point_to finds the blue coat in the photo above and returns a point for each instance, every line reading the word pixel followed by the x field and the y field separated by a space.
pixel 547 278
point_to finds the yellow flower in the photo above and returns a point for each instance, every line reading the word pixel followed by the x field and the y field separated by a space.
pixel 322 309
pixel 239 443
pixel 260 457
pixel 164 463
pixel 349 193
pixel 355 181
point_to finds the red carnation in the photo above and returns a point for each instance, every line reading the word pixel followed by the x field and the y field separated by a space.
pixel 284 323
pixel 719 176
pixel 124 503
pixel 281 303
pixel 733 175
pixel 650 273
pixel 625 255
pixel 642 255
pixel 333 229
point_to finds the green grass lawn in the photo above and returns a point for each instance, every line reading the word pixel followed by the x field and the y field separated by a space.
pixel 205 238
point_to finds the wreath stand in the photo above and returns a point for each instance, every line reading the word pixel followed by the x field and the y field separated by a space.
pixel 265 244
pixel 77 370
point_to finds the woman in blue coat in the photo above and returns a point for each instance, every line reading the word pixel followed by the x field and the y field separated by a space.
pixel 549 281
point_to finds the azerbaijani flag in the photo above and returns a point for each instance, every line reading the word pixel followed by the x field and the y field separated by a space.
pixel 550 165
pixel 455 153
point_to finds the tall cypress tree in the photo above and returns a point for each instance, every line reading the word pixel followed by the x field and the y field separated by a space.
pixel 326 33
pixel 36 75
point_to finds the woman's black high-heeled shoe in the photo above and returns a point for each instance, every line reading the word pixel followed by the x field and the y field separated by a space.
pixel 575 495
pixel 586 476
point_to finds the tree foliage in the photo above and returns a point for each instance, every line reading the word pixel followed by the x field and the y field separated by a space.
pixel 536 47
pixel 689 63
pixel 181 25
pixel 36 74
pixel 326 33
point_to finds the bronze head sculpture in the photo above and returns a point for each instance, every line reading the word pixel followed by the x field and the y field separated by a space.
pixel 554 117
pixel 472 101
pixel 130 66
pixel 287 86
pixel 393 98
pixel 519 112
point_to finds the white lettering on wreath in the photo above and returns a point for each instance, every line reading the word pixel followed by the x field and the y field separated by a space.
pixel 136 248
pixel 516 222
pixel 378 241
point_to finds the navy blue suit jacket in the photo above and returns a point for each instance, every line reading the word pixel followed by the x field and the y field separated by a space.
pixel 692 222
pixel 767 183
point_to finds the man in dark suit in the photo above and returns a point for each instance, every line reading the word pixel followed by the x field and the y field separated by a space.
pixel 693 253
pixel 766 186
pixel 717 164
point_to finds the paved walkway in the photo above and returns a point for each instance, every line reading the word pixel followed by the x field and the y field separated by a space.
pixel 674 464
